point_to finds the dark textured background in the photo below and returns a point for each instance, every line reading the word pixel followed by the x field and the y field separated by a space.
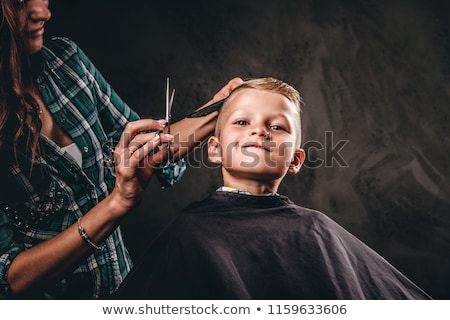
pixel 373 73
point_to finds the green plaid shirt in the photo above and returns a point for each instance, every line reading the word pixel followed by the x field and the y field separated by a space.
pixel 36 208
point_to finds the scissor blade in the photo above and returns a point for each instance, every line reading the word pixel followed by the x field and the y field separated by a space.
pixel 172 96
pixel 168 106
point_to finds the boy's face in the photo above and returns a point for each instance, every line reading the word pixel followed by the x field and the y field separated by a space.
pixel 258 137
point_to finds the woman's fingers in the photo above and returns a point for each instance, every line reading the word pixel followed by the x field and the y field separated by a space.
pixel 151 146
pixel 144 138
pixel 138 140
pixel 134 128
pixel 226 90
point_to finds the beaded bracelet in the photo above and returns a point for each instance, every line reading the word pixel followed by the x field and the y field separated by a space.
pixel 86 238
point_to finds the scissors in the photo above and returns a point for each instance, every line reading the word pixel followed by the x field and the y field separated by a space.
pixel 169 103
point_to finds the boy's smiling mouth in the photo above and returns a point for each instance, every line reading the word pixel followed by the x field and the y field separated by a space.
pixel 258 145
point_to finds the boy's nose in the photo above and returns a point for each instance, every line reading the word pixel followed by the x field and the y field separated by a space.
pixel 260 131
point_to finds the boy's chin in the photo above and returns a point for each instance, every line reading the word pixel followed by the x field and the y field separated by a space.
pixel 258 173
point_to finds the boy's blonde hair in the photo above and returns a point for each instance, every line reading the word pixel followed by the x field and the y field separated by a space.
pixel 271 85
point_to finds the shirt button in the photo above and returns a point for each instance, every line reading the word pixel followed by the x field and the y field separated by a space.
pixel 86 149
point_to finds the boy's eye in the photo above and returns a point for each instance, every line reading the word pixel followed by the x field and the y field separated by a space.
pixel 277 128
pixel 241 122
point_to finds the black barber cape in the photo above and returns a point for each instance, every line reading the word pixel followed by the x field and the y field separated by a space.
pixel 237 246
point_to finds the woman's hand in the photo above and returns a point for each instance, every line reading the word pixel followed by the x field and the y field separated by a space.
pixel 136 157
pixel 226 90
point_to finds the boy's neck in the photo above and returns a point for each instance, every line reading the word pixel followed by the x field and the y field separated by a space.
pixel 254 187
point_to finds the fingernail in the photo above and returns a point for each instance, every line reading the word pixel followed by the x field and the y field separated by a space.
pixel 162 122
pixel 169 136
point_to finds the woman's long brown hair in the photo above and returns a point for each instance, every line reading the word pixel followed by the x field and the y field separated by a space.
pixel 16 106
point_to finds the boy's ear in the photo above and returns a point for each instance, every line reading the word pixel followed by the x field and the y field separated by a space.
pixel 297 161
pixel 214 150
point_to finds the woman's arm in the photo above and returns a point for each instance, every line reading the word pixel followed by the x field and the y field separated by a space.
pixel 134 169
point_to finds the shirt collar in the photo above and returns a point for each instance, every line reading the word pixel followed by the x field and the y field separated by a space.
pixel 229 189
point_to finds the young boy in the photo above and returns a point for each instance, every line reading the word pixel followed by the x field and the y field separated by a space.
pixel 245 241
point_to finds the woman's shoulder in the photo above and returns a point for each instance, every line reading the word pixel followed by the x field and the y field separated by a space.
pixel 61 45
pixel 63 52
